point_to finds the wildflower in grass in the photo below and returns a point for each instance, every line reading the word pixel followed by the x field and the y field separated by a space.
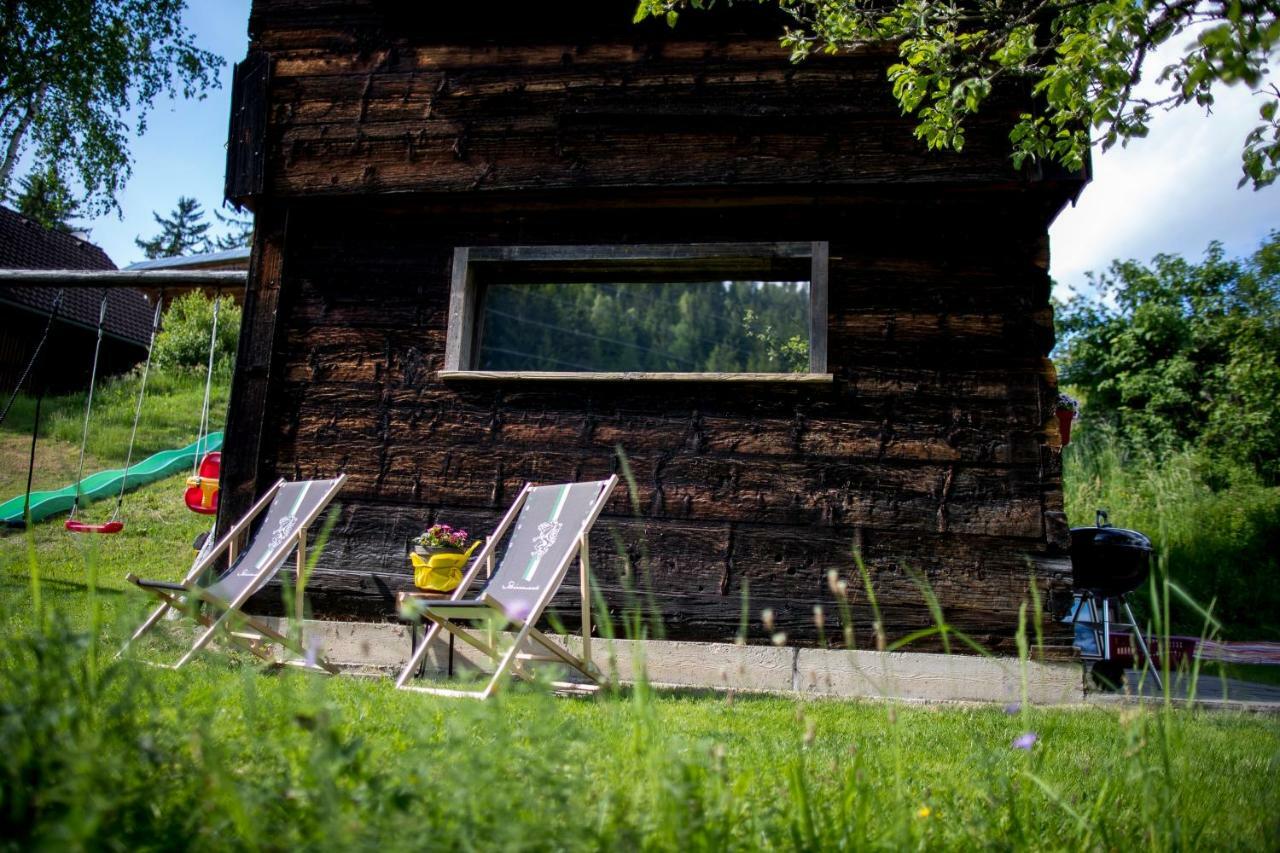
pixel 766 616
pixel 314 649
pixel 923 812
pixel 833 581
pixel 1013 708
pixel 810 732
pixel 780 638
pixel 818 618
pixel 1025 741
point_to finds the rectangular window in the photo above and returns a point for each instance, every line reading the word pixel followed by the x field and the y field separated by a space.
pixel 697 311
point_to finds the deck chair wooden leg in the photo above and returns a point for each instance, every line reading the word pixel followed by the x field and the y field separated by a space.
pixel 156 616
pixel 204 638
pixel 173 602
pixel 281 640
pixel 299 573
pixel 580 665
pixel 506 661
pixel 441 623
pixel 462 634
pixel 564 655
pixel 584 587
pixel 253 648
pixel 167 602
pixel 419 653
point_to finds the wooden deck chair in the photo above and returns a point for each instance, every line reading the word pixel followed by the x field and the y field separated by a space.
pixel 551 526
pixel 290 509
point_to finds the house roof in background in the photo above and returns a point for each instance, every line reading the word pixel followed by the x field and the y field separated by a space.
pixel 25 244
pixel 228 259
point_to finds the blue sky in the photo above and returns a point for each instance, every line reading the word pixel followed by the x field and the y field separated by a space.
pixel 1172 192
pixel 184 149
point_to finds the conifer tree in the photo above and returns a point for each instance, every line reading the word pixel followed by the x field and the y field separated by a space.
pixel 45 198
pixel 238 236
pixel 183 232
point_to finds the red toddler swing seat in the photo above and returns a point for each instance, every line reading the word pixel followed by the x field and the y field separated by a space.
pixel 202 490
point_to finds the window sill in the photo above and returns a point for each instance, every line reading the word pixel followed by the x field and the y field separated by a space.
pixel 570 376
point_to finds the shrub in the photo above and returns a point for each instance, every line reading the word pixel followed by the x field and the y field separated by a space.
pixel 1178 355
pixel 184 338
pixel 1219 528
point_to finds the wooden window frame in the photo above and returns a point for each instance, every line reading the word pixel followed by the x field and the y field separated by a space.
pixel 471 262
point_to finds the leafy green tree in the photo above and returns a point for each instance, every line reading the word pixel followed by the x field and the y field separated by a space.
pixel 792 353
pixel 71 71
pixel 685 327
pixel 1183 355
pixel 183 232
pixel 1082 59
pixel 45 198
pixel 183 341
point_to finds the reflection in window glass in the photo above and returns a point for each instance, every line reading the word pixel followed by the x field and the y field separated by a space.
pixel 667 327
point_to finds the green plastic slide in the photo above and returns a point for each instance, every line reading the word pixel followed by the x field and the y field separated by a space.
pixel 105 484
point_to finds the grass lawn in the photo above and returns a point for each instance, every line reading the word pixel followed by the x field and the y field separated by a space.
pixel 170 419
pixel 1219 541
pixel 223 755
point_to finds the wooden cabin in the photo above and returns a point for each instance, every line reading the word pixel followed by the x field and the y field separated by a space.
pixel 411 166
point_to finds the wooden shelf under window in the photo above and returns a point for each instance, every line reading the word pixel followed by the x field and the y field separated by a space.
pixel 585 376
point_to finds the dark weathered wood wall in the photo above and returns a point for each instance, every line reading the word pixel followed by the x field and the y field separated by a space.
pixel 931 453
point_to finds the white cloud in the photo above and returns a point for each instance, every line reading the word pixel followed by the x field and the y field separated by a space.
pixel 1171 192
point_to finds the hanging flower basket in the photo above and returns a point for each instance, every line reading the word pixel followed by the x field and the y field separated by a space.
pixel 1067 410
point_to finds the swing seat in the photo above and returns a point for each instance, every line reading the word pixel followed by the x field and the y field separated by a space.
pixel 74 526
pixel 201 495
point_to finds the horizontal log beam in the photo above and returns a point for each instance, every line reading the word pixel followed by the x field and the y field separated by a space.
pixel 614 376
pixel 152 279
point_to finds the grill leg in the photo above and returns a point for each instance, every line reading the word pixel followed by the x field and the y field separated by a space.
pixel 1086 609
pixel 1106 629
pixel 1142 643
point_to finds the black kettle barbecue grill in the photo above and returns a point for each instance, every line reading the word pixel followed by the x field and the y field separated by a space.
pixel 1108 564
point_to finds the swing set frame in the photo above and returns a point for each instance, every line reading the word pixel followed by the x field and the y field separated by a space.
pixel 158 283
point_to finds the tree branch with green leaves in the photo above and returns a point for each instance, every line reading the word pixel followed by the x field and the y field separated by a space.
pixel 72 70
pixel 1082 60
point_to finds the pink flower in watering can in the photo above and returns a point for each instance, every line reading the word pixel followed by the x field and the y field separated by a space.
pixel 442 536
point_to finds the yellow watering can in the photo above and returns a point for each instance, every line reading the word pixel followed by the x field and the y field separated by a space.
pixel 441 571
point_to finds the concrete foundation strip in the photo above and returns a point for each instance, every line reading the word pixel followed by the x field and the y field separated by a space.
pixel 383 647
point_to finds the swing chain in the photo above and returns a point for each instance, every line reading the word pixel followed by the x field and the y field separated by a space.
pixel 35 421
pixel 88 403
pixel 202 435
pixel 137 412
pixel 35 355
